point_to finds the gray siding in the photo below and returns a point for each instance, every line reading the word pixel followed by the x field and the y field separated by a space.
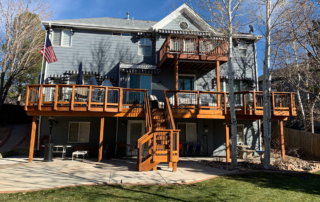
pixel 98 51
pixel 175 24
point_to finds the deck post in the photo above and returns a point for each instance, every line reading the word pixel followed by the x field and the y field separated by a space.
pixel 170 165
pixel 283 153
pixel 218 82
pixel 176 80
pixel 227 141
pixel 101 139
pixel 174 166
pixel 33 138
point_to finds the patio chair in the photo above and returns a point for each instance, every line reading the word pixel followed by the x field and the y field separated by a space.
pixel 190 149
pixel 155 103
pixel 197 149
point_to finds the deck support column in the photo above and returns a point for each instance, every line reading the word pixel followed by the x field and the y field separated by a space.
pixel 101 139
pixel 174 166
pixel 33 138
pixel 218 82
pixel 227 142
pixel 176 80
pixel 170 165
pixel 283 153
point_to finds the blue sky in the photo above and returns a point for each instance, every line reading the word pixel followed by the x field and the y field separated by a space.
pixel 139 9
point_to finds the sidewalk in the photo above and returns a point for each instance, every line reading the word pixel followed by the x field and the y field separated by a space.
pixel 18 175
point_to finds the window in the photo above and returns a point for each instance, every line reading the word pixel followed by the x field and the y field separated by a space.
pixel 184 25
pixel 242 48
pixel 89 80
pixel 188 132
pixel 120 34
pixel 79 132
pixel 236 87
pixel 62 37
pixel 144 47
pixel 186 82
pixel 240 134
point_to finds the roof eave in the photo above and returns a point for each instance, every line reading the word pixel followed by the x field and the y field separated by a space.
pixel 256 38
pixel 48 24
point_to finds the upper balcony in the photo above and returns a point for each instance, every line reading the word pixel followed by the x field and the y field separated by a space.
pixel 193 50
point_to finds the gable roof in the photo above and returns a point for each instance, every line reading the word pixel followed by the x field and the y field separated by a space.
pixel 104 23
pixel 184 8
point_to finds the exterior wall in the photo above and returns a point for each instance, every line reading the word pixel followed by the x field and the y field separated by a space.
pixel 212 145
pixel 98 51
pixel 215 142
pixel 175 24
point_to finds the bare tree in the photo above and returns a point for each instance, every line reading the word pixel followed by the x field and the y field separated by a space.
pixel 21 37
pixel 226 16
pixel 299 60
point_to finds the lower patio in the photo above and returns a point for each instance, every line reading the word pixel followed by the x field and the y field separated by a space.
pixel 18 175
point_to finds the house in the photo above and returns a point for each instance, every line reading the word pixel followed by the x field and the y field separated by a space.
pixel 162 86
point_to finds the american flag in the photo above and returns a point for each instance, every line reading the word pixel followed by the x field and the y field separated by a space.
pixel 48 51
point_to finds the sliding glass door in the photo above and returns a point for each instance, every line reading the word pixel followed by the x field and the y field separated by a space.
pixel 141 82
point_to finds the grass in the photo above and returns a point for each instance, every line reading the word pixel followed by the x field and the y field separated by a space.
pixel 242 187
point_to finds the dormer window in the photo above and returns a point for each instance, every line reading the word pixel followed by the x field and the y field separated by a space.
pixel 242 48
pixel 62 37
pixel 184 25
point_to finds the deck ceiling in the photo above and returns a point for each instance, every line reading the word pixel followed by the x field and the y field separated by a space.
pixel 189 63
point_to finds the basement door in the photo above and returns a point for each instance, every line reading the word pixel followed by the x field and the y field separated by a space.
pixel 136 129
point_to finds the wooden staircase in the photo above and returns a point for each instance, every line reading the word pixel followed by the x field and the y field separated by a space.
pixel 161 142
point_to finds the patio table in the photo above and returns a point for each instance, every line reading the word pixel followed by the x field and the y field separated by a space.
pixel 64 149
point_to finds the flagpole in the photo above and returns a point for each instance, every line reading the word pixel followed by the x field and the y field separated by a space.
pixel 44 50
pixel 41 82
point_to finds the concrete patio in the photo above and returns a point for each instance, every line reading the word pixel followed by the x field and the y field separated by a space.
pixel 18 175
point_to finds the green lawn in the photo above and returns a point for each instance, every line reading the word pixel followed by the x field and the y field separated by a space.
pixel 243 187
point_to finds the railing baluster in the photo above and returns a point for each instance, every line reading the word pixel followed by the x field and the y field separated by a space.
pixel 254 103
pixel 56 93
pixel 244 104
pixel 40 98
pixel 273 104
pixel 120 100
pixel 72 97
pixel 171 145
pixel 26 102
pixel 89 98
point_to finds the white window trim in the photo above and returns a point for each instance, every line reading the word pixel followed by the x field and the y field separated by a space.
pixel 145 45
pixel 195 79
pixel 79 131
pixel 128 81
pixel 61 39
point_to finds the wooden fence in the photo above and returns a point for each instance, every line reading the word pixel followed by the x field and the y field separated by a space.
pixel 309 142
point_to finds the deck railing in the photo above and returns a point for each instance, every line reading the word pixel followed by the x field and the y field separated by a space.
pixel 246 102
pixel 64 97
pixel 195 46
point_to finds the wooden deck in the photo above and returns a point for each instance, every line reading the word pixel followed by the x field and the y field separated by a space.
pixel 193 53
pixel 85 100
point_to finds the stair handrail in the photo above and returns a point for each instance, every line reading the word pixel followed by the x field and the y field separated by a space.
pixel 168 112
pixel 147 112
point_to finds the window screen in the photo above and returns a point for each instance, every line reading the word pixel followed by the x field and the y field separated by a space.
pixel 57 37
pixel 145 47
pixel 62 37
pixel 79 132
